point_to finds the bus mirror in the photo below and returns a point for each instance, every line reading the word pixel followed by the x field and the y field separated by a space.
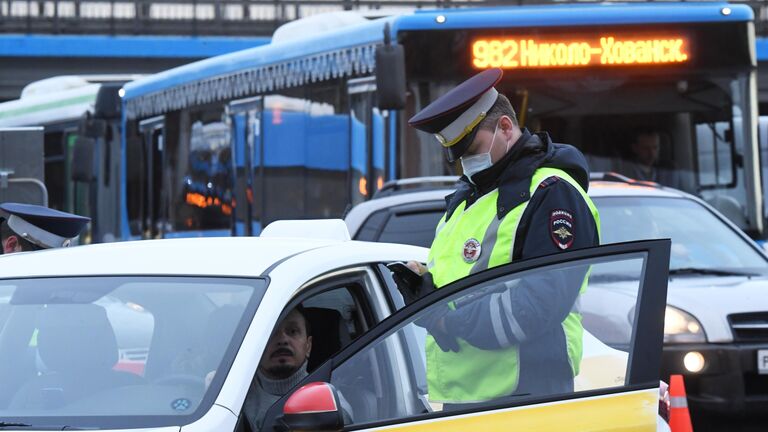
pixel 390 76
pixel 108 102
pixel 83 157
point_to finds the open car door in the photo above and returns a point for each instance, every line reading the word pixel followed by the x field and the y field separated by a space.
pixel 390 377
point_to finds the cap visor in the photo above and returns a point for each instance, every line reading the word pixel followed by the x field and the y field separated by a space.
pixel 454 152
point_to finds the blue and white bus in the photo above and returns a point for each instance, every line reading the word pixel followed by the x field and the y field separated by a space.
pixel 297 128
pixel 80 115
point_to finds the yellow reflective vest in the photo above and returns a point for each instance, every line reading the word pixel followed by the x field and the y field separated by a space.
pixel 474 374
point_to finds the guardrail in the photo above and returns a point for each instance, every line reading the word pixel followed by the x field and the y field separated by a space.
pixel 219 17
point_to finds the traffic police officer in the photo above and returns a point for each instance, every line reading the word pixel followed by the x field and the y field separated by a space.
pixel 28 227
pixel 521 196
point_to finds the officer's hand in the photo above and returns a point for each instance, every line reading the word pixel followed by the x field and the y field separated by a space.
pixel 445 341
pixel 413 290
pixel 432 321
pixel 417 267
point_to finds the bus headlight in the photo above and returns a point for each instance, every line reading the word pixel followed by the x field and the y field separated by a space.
pixel 682 327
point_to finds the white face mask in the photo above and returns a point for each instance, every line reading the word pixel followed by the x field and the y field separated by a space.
pixel 473 164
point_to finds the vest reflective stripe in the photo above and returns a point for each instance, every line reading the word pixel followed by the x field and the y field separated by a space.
pixel 489 241
pixel 472 374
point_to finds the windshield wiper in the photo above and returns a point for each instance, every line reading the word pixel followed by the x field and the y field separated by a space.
pixel 4 425
pixel 19 426
pixel 708 271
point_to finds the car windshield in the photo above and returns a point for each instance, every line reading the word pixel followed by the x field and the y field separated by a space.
pixel 700 240
pixel 118 352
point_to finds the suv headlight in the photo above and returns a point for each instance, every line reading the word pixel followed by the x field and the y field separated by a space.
pixel 682 327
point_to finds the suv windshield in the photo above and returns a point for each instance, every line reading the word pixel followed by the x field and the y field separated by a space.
pixel 699 239
pixel 118 352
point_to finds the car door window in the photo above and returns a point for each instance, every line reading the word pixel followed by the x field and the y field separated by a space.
pixel 413 228
pixel 338 309
pixel 336 318
pixel 522 338
pixel 411 224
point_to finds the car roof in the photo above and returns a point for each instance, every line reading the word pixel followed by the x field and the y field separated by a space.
pixel 224 256
pixel 597 189
pixel 611 188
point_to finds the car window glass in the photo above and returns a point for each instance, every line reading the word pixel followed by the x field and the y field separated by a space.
pixel 133 326
pixel 416 229
pixel 334 317
pixel 138 351
pixel 6 291
pixel 699 238
pixel 335 320
pixel 369 231
pixel 538 333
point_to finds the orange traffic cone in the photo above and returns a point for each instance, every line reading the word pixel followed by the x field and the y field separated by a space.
pixel 679 417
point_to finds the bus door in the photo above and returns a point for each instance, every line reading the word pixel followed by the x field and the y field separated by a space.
pixel 367 139
pixel 153 200
pixel 245 119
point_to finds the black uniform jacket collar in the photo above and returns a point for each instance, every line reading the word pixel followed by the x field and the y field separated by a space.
pixel 512 174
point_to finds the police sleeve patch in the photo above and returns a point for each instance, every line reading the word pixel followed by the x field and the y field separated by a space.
pixel 561 228
pixel 548 181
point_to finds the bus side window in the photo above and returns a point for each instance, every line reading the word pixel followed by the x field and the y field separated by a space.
pixel 327 151
pixel 55 170
pixel 200 172
pixel 135 183
pixel 715 152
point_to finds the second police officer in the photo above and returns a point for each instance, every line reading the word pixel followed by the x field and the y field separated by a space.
pixel 521 196
pixel 29 227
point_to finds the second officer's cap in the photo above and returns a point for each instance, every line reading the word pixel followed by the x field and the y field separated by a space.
pixel 42 226
pixel 454 116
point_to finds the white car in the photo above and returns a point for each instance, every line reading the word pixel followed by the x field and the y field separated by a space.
pixel 210 305
pixel 716 322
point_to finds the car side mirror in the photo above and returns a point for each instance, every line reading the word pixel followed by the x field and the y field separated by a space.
pixel 314 407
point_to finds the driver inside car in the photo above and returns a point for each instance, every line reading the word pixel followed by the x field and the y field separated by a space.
pixel 282 366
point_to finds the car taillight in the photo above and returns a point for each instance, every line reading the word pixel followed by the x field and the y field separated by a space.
pixel 664 404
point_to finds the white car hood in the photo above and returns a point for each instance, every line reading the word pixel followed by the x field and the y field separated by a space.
pixel 712 299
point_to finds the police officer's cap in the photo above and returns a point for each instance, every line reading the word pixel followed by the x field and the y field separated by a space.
pixel 454 117
pixel 42 226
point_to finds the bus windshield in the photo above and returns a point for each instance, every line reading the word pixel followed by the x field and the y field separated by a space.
pixel 685 125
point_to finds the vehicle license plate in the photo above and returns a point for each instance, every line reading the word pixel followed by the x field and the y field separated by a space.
pixel 762 362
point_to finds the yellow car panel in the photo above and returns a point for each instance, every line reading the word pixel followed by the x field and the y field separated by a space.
pixel 627 412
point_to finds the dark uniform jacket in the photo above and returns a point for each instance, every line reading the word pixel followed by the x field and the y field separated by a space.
pixel 540 310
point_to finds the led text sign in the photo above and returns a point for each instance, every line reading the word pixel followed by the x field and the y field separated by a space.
pixel 608 50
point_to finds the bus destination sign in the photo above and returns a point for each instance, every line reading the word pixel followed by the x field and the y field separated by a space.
pixel 605 51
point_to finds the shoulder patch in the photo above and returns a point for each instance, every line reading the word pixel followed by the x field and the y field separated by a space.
pixel 549 181
pixel 561 228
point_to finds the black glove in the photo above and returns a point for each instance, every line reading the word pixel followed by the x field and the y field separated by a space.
pixel 414 289
pixel 431 322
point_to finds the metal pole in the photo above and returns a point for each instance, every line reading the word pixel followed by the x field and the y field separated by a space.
pixel 56 16
pixel 112 17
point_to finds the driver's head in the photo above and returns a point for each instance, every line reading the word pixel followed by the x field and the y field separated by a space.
pixel 646 145
pixel 288 348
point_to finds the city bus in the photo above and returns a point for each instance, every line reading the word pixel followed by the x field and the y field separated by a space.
pixel 80 115
pixel 316 121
